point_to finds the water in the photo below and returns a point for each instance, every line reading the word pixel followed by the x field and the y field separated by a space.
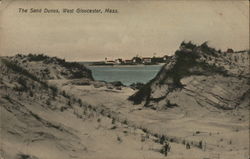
pixel 126 74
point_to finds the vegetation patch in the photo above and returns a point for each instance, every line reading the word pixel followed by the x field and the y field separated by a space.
pixel 21 80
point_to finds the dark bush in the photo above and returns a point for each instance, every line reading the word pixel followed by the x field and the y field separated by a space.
pixel 25 156
pixel 144 130
pixel 7 97
pixel 35 57
pixel 117 83
pixel 200 145
pixel 162 139
pixel 137 85
pixel 31 94
pixel 69 103
pixel 80 102
pixel 113 127
pixel 23 84
pixel 119 139
pixel 165 149
pixel 18 69
pixel 113 121
pixel 141 94
pixel 54 89
pixel 48 102
pixel 188 45
pixel 125 122
pixel 170 105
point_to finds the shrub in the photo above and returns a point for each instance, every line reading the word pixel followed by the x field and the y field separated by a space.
pixel 69 103
pixel 62 109
pixel 113 120
pixel 184 142
pixel 22 82
pixel 54 89
pixel 64 94
pixel 172 140
pixel 113 127
pixel 18 69
pixel 144 130
pixel 102 112
pixel 209 50
pixel 137 85
pixel 140 95
pixel 31 94
pixel 188 45
pixel 165 149
pixel 170 105
pixel 35 57
pixel 119 139
pixel 197 132
pixel 162 139
pixel 143 138
pixel 24 156
pixel 80 102
pixel 48 102
pixel 200 145
pixel 125 122
pixel 7 97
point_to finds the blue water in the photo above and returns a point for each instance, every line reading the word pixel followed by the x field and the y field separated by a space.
pixel 126 74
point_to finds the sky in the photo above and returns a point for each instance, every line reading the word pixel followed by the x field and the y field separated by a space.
pixel 141 27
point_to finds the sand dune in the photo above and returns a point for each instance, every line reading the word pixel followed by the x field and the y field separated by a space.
pixel 57 115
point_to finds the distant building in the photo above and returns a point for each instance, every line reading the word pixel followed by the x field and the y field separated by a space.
pixel 109 61
pixel 137 60
pixel 157 60
pixel 118 61
pixel 230 50
pixel 146 60
pixel 128 62
pixel 165 58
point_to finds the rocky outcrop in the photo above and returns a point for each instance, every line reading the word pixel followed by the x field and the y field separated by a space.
pixel 198 76
pixel 47 68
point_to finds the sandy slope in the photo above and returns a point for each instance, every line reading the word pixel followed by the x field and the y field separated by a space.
pixel 81 118
pixel 41 122
pixel 223 134
pixel 199 76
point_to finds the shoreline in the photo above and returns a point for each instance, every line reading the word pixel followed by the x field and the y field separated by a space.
pixel 118 65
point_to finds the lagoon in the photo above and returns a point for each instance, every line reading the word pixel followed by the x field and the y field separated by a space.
pixel 127 74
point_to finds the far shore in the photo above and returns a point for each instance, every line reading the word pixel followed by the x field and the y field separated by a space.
pixel 120 65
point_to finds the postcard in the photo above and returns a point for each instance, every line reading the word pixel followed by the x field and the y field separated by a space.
pixel 132 79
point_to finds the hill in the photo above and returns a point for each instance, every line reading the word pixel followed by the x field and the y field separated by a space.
pixel 64 117
pixel 42 121
pixel 47 68
pixel 199 76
